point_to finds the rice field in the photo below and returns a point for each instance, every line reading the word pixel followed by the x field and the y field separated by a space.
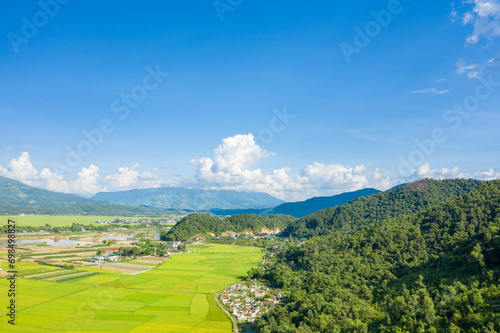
pixel 173 297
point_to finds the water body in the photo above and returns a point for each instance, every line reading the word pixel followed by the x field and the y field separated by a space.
pixel 119 237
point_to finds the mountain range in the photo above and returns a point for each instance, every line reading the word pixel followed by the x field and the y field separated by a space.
pixel 17 198
pixel 190 199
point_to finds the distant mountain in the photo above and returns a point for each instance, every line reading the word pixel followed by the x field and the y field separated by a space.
pixel 303 208
pixel 190 199
pixel 18 198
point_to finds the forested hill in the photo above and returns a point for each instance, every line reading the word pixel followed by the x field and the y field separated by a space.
pixel 203 224
pixel 404 200
pixel 18 198
pixel 436 271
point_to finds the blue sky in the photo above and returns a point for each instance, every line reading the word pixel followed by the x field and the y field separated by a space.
pixel 259 96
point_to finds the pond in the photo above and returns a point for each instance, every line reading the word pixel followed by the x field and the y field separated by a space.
pixel 119 237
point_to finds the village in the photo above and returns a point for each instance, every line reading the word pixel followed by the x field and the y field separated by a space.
pixel 248 301
pixel 117 254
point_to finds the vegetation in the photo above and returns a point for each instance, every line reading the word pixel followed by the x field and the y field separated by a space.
pixel 435 271
pixel 203 224
pixel 401 201
pixel 173 297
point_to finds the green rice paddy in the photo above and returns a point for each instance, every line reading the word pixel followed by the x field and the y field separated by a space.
pixel 173 297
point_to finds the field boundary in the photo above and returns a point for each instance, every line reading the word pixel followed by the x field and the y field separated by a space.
pixel 233 321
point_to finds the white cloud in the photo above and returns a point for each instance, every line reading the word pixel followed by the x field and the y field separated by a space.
pixel 125 177
pixel 335 176
pixel 487 175
pixel 87 181
pixel 128 178
pixel 237 153
pixel 474 71
pixel 381 181
pixel 231 161
pixel 484 15
pixel 22 169
pixel 425 171
pixel 231 168
pixel 430 91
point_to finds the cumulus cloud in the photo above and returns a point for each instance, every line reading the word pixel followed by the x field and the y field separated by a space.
pixel 231 161
pixel 425 171
pixel 231 167
pixel 381 181
pixel 430 91
pixel 22 169
pixel 335 176
pixel 87 181
pixel 125 177
pixel 128 177
pixel 484 15
pixel 487 174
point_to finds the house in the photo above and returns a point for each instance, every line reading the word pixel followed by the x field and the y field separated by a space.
pixel 97 259
pixel 176 244
pixel 109 253
pixel 113 258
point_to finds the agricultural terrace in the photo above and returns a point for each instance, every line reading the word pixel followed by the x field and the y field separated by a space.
pixel 173 297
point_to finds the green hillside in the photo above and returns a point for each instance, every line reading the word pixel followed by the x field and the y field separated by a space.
pixel 203 224
pixel 435 271
pixel 404 200
pixel 190 199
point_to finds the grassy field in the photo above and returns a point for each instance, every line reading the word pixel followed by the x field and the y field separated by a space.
pixel 174 297
pixel 58 221
pixel 25 268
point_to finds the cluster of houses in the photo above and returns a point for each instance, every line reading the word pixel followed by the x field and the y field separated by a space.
pixel 107 256
pixel 138 221
pixel 247 301
pixel 262 236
